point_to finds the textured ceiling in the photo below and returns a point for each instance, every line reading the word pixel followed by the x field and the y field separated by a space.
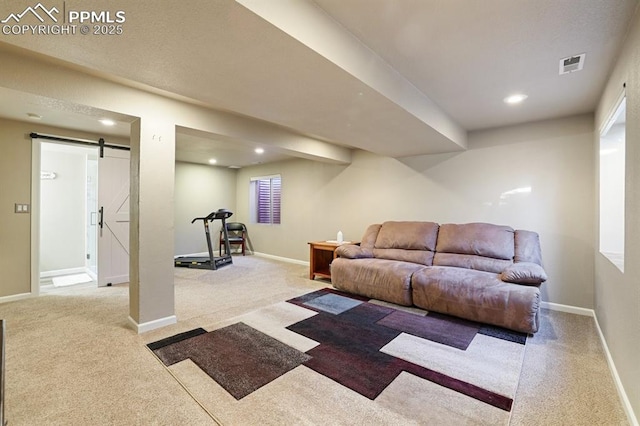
pixel 461 56
pixel 199 147
pixel 468 55
pixel 16 105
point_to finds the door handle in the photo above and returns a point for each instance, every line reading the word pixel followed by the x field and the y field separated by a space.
pixel 101 217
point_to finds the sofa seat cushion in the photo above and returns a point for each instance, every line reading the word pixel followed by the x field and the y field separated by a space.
pixel 381 279
pixel 471 261
pixel 423 257
pixel 477 296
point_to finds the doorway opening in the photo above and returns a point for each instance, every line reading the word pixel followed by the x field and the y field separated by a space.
pixel 80 213
pixel 68 216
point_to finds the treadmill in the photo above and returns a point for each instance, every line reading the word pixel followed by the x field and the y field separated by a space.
pixel 210 262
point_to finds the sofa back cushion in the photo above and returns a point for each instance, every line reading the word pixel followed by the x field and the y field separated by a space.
pixel 407 241
pixel 407 236
pixel 527 247
pixel 481 246
pixel 370 235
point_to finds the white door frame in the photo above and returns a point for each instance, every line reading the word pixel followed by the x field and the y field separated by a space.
pixel 36 146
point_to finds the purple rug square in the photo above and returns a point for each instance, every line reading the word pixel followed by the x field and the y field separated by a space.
pixel 354 330
pixel 367 373
pixel 449 331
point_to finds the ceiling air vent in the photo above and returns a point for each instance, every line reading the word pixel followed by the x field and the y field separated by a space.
pixel 572 64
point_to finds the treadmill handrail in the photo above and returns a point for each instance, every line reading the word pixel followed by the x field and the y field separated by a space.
pixel 218 214
pixel 208 218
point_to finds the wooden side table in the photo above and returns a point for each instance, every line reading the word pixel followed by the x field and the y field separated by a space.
pixel 321 253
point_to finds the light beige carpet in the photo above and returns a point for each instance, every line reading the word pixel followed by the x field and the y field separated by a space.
pixel 72 360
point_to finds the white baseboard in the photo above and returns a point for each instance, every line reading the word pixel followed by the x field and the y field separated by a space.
pixel 91 274
pixel 626 404
pixel 152 325
pixel 15 297
pixel 60 272
pixel 282 259
pixel 567 308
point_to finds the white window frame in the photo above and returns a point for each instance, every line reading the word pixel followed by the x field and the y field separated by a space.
pixel 611 183
pixel 254 200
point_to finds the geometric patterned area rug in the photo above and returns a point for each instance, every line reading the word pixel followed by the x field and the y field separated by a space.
pixel 330 357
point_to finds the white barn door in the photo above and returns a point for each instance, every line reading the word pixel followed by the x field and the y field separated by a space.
pixel 113 229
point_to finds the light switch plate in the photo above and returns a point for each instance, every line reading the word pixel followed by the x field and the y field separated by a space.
pixel 21 208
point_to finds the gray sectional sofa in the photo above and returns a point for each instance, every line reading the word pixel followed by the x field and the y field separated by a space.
pixel 477 271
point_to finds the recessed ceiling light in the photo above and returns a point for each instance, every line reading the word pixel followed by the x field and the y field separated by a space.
pixel 259 150
pixel 108 122
pixel 212 161
pixel 234 167
pixel 34 116
pixel 515 99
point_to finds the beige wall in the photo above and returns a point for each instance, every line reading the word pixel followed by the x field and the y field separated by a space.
pixel 554 158
pixel 199 190
pixel 617 294
pixel 15 175
pixel 308 210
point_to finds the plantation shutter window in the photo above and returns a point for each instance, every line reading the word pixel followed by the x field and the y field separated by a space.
pixel 266 199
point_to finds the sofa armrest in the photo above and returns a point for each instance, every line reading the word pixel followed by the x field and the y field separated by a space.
pixel 352 251
pixel 527 273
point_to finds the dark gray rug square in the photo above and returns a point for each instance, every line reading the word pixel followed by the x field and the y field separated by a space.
pixel 240 358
